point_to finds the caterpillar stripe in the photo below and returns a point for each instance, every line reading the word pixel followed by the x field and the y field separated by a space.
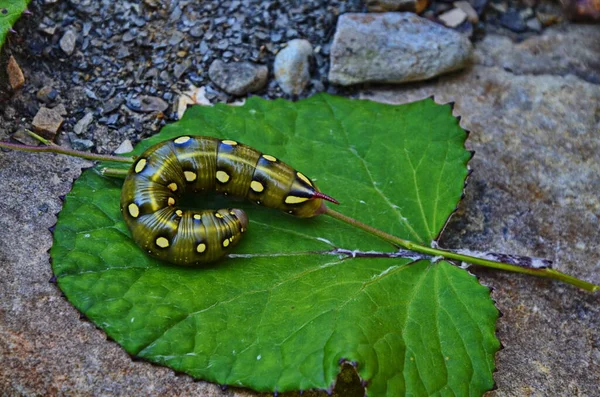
pixel 160 176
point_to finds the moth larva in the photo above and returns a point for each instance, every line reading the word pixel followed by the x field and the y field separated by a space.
pixel 160 176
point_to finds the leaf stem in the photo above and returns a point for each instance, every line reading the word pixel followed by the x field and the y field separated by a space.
pixel 114 172
pixel 542 272
pixel 52 148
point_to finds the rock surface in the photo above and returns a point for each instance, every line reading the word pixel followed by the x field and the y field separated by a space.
pixel 292 66
pixel 394 48
pixel 238 78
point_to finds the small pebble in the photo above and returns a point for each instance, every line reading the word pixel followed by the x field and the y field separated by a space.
pixel 512 20
pixel 534 24
pixel 80 144
pixel 47 122
pixel 124 147
pixel 147 104
pixel 469 10
pixel 180 68
pixel 292 66
pixel 83 124
pixel 68 41
pixel 47 94
pixel 238 78
pixel 60 109
pixel 16 79
pixel 453 18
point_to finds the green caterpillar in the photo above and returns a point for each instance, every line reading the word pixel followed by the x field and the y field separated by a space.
pixel 161 175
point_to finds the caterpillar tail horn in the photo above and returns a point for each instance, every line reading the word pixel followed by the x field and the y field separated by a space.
pixel 325 197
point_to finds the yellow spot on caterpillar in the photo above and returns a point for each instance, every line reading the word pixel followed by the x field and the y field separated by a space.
pixel 231 238
pixel 172 186
pixel 139 167
pixel 181 140
pixel 295 199
pixel 162 242
pixel 269 157
pixel 218 215
pixel 171 201
pixel 222 176
pixel 201 248
pixel 134 210
pixel 242 230
pixel 226 243
pixel 304 178
pixel 179 213
pixel 257 186
pixel 197 216
pixel 190 176
pixel 229 142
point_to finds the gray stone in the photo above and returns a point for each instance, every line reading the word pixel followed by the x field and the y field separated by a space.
pixel 534 24
pixel 68 41
pixel 124 147
pixel 180 68
pixel 47 122
pixel 47 94
pixel 80 144
pixel 238 78
pixel 394 48
pixel 292 66
pixel 83 124
pixel 147 104
pixel 60 109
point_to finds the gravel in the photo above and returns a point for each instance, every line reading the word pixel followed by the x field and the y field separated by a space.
pixel 115 53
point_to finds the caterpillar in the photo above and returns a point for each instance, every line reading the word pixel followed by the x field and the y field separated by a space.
pixel 159 177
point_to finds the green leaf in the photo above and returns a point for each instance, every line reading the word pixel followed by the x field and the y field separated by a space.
pixel 290 306
pixel 10 11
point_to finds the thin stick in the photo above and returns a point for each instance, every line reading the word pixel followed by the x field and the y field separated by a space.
pixel 40 138
pixel 543 272
pixel 70 152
